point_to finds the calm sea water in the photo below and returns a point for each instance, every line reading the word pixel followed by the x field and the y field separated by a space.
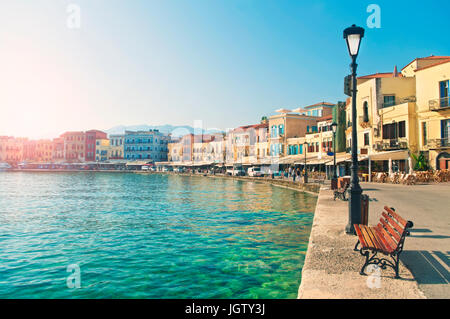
pixel 150 236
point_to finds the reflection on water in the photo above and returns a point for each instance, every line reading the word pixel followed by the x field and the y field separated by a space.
pixel 150 236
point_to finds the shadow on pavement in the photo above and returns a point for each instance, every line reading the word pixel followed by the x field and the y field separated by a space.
pixel 426 266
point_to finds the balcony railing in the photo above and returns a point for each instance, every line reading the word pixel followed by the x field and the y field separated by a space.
pixel 363 123
pixel 391 144
pixel 438 143
pixel 439 104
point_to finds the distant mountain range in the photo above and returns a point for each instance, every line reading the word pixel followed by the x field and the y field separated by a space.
pixel 176 131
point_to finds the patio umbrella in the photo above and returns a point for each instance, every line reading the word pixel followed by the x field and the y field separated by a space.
pixel 390 166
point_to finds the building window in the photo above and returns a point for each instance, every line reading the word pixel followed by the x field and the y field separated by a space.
pixel 424 133
pixel 366 139
pixel 444 93
pixel 366 112
pixel 402 129
pixel 389 100
pixel 394 130
pixel 445 131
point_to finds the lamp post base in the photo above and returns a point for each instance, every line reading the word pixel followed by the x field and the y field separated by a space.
pixel 354 209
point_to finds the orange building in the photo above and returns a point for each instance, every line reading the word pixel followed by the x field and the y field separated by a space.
pixel 74 146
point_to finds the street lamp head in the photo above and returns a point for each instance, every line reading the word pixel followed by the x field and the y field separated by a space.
pixel 334 127
pixel 353 36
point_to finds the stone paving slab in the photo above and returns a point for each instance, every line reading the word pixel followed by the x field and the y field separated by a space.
pixel 331 269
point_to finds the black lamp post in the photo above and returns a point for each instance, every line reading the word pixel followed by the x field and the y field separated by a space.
pixel 353 36
pixel 334 128
pixel 305 177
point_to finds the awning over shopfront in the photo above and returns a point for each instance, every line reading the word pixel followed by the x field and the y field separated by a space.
pixel 340 158
pixel 386 156
pixel 309 160
pixel 137 163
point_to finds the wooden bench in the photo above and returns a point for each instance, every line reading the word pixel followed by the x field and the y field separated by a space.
pixel 340 193
pixel 387 238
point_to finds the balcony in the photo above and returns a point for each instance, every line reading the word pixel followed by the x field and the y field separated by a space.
pixel 438 143
pixel 364 124
pixel 439 104
pixel 391 144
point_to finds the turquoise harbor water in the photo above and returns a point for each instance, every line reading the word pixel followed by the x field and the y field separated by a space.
pixel 150 236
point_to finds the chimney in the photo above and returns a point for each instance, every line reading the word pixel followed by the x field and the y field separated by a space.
pixel 395 74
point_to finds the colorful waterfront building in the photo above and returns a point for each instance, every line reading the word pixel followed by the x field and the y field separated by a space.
pixel 91 141
pixel 44 151
pixel 29 150
pixel 74 146
pixel 288 125
pixel 241 143
pixel 217 148
pixel 432 76
pixel 58 150
pixel 320 143
pixel 403 113
pixel 149 145
pixel 175 150
pixel 202 149
pixel 102 150
pixel 187 145
pixel 11 149
pixel 262 146
pixel 116 146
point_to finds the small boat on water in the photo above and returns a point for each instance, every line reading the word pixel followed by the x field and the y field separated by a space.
pixel 4 166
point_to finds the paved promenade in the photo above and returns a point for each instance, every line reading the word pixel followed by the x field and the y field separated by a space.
pixel 331 268
pixel 427 250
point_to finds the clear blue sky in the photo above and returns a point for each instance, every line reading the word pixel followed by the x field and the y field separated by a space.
pixel 225 62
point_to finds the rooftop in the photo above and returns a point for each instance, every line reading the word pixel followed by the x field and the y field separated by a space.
pixel 380 75
pixel 320 104
pixel 431 57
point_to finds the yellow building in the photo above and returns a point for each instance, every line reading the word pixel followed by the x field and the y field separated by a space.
pixel 102 150
pixel 175 151
pixel 433 108
pixel 403 113
pixel 285 126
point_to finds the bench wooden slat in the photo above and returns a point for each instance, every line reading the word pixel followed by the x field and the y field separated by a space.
pixel 375 238
pixel 369 241
pixel 390 231
pixel 372 238
pixel 393 223
pixel 360 236
pixel 392 243
pixel 365 242
pixel 389 247
pixel 400 219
